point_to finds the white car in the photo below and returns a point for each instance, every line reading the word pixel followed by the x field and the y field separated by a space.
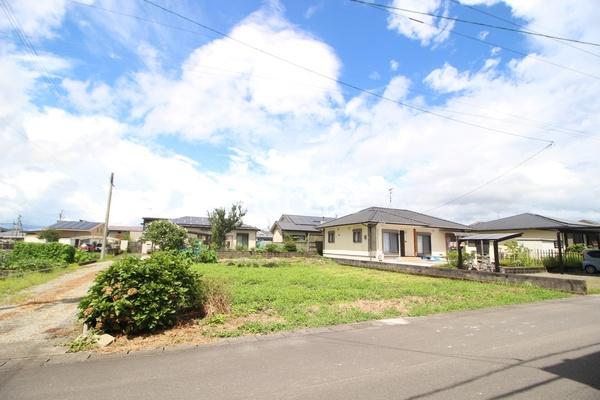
pixel 591 261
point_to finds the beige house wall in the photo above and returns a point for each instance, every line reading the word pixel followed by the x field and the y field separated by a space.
pixel 277 235
pixel 231 237
pixel 344 247
pixel 532 239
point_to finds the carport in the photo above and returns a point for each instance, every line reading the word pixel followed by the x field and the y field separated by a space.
pixel 495 238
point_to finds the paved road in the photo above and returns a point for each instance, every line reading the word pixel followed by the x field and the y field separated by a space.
pixel 28 329
pixel 547 350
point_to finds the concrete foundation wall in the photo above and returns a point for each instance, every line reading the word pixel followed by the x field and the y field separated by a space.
pixel 565 285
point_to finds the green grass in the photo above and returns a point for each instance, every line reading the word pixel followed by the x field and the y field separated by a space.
pixel 11 288
pixel 317 292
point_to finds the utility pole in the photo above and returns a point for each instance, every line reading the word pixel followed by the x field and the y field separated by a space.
pixel 60 216
pixel 105 233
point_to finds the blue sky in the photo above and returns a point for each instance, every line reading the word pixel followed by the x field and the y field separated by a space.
pixel 189 121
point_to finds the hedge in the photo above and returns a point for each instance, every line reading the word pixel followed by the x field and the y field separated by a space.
pixel 58 252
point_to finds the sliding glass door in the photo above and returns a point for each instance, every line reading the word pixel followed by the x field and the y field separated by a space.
pixel 423 244
pixel 393 243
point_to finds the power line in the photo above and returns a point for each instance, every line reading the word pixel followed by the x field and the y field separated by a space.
pixel 527 32
pixel 567 131
pixel 508 21
pixel 29 47
pixel 488 43
pixel 344 83
pixel 497 177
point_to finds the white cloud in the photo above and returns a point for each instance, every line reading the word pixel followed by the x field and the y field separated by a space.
pixel 310 11
pixel 394 65
pixel 36 18
pixel 432 30
pixel 374 76
pixel 297 145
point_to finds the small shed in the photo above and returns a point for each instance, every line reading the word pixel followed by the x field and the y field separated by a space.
pixel 495 238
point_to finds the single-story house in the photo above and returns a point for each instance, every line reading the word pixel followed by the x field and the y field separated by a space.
pixel 263 238
pixel 129 233
pixel 200 228
pixel 303 228
pixel 74 233
pixel 378 233
pixel 543 233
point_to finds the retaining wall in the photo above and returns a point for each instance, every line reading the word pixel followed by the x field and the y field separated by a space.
pixel 565 285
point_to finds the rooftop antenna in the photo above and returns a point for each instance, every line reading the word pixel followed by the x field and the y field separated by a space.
pixel 60 215
pixel 390 190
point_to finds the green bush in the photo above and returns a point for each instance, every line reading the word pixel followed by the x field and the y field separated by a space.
pixel 84 257
pixel 200 253
pixel 290 245
pixel 135 296
pixel 453 258
pixel 273 248
pixel 36 264
pixel 3 259
pixel 576 248
pixel 42 251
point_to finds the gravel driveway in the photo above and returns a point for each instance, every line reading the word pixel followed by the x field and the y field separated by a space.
pixel 38 326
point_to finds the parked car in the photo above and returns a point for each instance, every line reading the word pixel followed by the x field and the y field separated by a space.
pixel 591 261
pixel 88 247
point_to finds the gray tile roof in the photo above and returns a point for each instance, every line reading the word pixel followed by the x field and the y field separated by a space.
pixel 394 216
pixel 300 223
pixel 529 221
pixel 123 228
pixel 80 225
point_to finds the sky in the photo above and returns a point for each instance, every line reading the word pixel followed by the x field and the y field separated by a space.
pixel 307 107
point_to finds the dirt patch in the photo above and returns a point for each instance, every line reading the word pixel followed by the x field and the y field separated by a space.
pixel 379 306
pixel 192 332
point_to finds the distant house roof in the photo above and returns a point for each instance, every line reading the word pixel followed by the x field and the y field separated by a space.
pixel 12 234
pixel 264 235
pixel 394 216
pixel 80 225
pixel 123 228
pixel 194 222
pixel 299 223
pixel 530 221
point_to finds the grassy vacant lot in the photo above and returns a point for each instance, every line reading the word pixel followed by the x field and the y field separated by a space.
pixel 267 296
pixel 11 287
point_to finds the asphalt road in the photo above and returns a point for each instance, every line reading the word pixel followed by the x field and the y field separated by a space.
pixel 548 350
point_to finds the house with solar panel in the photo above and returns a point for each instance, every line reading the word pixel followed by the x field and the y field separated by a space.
pixel 301 228
pixel 200 228
pixel 74 233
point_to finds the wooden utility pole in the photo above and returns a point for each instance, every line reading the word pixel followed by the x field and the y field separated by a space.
pixel 105 233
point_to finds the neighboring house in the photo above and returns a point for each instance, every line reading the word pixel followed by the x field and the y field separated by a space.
pixel 11 235
pixel 200 228
pixel 129 233
pixel 74 233
pixel 378 233
pixel 263 238
pixel 303 228
pixel 543 233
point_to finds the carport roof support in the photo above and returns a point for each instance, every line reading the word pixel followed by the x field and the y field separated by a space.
pixel 494 237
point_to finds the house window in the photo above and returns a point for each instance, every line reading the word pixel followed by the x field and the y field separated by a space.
pixel 357 235
pixel 331 237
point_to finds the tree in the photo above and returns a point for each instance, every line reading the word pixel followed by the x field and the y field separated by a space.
pixel 51 235
pixel 223 222
pixel 165 234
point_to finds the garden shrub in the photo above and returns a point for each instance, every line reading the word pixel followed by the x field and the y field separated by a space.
pixel 273 248
pixel 35 264
pixel 84 257
pixel 3 259
pixel 453 258
pixel 200 253
pixel 290 245
pixel 43 251
pixel 135 296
